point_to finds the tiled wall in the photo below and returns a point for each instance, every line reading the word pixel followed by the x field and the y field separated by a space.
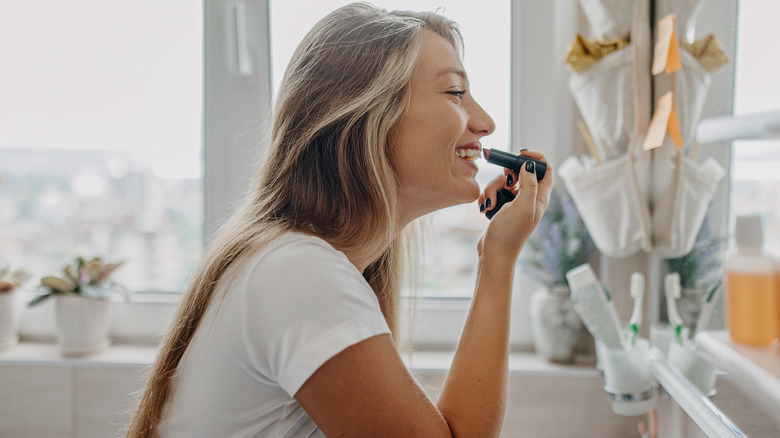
pixel 65 402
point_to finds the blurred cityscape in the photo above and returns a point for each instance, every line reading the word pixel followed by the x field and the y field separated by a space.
pixel 56 204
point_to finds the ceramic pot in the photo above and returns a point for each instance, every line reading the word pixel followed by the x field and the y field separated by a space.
pixel 83 325
pixel 555 325
pixel 9 319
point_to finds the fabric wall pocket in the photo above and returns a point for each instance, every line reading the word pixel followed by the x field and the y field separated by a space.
pixel 609 18
pixel 692 86
pixel 680 211
pixel 604 94
pixel 609 203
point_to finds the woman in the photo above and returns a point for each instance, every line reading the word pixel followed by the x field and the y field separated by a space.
pixel 285 330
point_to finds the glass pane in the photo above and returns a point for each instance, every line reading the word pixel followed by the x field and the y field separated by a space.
pixel 100 140
pixel 755 177
pixel 450 250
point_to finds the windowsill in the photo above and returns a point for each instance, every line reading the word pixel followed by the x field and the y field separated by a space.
pixel 48 354
pixel 145 317
pixel 28 353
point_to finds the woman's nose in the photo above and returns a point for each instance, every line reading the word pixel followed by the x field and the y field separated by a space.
pixel 480 121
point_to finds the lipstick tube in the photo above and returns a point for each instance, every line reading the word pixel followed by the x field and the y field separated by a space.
pixel 514 162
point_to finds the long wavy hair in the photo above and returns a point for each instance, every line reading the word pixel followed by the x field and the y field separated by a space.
pixel 328 170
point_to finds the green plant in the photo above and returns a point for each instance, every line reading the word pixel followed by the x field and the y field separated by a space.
pixel 88 278
pixel 559 243
pixel 10 279
pixel 702 267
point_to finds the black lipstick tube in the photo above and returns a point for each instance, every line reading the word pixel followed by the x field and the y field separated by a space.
pixel 514 162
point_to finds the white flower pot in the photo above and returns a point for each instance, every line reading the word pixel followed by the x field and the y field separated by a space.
pixel 555 325
pixel 83 325
pixel 9 319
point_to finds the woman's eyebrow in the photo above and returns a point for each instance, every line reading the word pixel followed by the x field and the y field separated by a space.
pixel 457 70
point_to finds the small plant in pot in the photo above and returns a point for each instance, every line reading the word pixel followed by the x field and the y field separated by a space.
pixel 10 281
pixel 559 243
pixel 83 305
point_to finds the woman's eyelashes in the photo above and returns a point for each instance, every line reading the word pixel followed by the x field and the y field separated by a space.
pixel 458 93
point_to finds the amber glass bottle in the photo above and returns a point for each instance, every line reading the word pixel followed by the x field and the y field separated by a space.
pixel 751 288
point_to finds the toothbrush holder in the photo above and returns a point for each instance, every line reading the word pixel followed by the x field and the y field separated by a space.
pixel 627 378
pixel 695 368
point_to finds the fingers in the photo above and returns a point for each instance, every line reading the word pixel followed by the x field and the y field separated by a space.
pixel 538 196
pixel 529 189
pixel 487 200
pixel 546 184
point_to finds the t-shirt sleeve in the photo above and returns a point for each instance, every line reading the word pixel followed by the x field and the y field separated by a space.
pixel 304 302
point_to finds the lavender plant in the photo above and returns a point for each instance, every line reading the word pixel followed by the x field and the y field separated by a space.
pixel 560 243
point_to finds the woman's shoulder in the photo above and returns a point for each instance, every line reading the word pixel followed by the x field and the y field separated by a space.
pixel 298 247
pixel 299 256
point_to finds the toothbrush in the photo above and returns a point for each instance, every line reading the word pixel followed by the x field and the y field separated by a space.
pixel 707 308
pixel 637 293
pixel 673 293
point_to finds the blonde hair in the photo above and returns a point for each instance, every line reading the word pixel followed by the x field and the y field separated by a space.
pixel 328 170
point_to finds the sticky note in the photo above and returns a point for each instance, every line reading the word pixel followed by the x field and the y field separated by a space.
pixel 664 120
pixel 667 53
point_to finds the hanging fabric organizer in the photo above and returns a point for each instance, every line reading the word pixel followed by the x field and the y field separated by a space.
pixel 641 190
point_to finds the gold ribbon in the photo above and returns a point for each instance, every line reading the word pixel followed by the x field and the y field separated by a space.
pixel 583 53
pixel 707 51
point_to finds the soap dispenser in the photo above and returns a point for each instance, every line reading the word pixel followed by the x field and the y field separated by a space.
pixel 751 292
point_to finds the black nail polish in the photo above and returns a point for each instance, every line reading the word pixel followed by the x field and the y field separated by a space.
pixel 509 180
pixel 530 167
pixel 487 203
pixel 481 208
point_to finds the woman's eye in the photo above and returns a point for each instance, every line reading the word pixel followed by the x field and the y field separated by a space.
pixel 458 93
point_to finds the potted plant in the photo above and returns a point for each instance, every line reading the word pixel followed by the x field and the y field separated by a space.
pixel 10 281
pixel 560 243
pixel 83 305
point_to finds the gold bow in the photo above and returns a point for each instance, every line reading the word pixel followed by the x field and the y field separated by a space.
pixel 707 51
pixel 583 53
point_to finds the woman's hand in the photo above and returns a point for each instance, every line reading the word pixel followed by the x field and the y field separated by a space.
pixel 513 224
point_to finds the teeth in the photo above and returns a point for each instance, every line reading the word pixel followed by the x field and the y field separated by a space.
pixel 470 154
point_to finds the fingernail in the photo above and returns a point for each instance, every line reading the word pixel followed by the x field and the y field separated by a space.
pixel 530 166
pixel 487 203
pixel 523 149
pixel 509 180
pixel 481 208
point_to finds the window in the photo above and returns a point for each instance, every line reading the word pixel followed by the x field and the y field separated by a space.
pixel 754 172
pixel 450 250
pixel 101 138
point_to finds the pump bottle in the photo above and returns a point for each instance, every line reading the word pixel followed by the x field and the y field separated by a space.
pixel 751 289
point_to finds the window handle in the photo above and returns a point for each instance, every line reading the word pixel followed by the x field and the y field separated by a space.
pixel 240 61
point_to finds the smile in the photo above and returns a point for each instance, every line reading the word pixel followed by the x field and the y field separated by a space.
pixel 468 154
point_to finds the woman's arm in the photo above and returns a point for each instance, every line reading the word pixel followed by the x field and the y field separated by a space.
pixel 473 399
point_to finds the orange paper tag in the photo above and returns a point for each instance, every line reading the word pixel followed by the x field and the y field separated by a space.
pixel 664 119
pixel 667 55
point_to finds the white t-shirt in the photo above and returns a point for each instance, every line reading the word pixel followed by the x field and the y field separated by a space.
pixel 291 307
